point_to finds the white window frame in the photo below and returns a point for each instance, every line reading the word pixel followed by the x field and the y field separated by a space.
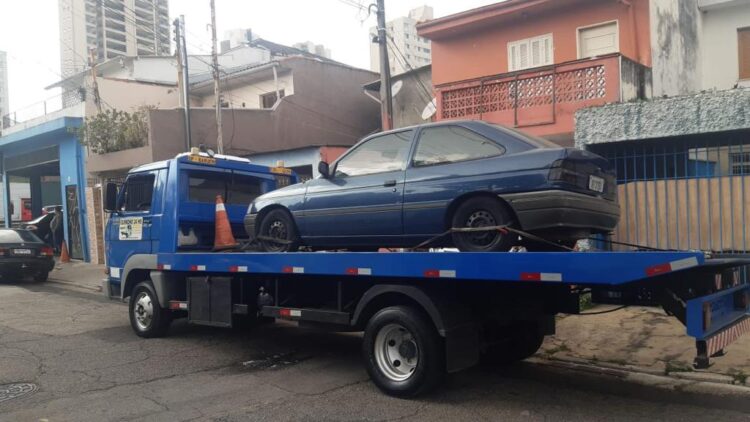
pixel 583 28
pixel 528 42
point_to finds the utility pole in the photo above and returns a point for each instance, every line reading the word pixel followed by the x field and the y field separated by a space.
pixel 386 100
pixel 183 81
pixel 94 84
pixel 217 88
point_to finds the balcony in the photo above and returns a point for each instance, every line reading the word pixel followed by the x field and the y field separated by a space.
pixel 543 101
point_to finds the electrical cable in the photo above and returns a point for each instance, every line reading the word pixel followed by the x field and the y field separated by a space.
pixel 603 312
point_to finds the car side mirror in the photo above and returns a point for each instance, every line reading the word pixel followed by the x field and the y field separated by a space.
pixel 110 197
pixel 324 170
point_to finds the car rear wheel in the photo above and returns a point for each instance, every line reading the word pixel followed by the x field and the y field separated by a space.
pixel 41 276
pixel 277 232
pixel 482 212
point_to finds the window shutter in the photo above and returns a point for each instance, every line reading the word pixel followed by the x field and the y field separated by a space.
pixel 536 52
pixel 547 50
pixel 512 57
pixel 523 56
pixel 743 41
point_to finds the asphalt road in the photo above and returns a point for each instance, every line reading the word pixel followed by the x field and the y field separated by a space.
pixel 79 353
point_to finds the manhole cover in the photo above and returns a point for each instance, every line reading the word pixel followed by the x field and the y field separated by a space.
pixel 12 391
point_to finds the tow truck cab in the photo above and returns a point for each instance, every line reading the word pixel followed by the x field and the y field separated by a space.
pixel 169 206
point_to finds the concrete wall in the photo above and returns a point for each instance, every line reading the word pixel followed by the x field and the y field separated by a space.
pixel 706 112
pixel 248 95
pixel 129 96
pixel 474 53
pixel 675 42
pixel 720 66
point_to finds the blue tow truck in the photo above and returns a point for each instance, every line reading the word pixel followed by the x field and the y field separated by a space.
pixel 423 313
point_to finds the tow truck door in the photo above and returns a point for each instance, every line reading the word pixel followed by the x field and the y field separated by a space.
pixel 133 225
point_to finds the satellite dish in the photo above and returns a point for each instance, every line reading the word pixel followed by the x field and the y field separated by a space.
pixel 396 87
pixel 430 109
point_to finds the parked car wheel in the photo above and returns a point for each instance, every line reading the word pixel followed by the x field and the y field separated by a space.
pixel 147 318
pixel 482 212
pixel 41 276
pixel 277 232
pixel 403 352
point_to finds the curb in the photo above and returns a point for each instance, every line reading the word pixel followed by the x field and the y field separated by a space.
pixel 700 383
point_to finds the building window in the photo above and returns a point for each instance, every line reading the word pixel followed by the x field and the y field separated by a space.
pixel 743 41
pixel 531 52
pixel 740 162
pixel 598 40
pixel 268 100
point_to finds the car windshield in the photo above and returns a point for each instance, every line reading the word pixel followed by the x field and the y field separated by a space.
pixel 17 236
pixel 530 139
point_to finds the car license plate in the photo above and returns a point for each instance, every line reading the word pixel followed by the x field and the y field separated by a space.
pixel 596 184
pixel 21 251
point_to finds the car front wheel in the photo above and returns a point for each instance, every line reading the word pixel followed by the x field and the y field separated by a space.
pixel 477 213
pixel 277 232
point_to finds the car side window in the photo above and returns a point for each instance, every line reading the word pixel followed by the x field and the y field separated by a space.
pixel 377 155
pixel 449 144
pixel 139 192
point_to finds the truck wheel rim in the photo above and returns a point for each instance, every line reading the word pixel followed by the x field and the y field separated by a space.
pixel 143 310
pixel 396 352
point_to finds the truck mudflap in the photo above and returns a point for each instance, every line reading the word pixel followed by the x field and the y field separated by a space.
pixel 717 320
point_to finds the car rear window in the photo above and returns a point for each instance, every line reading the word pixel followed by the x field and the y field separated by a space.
pixel 17 236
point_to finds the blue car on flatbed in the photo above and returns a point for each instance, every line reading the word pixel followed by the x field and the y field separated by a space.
pixel 402 187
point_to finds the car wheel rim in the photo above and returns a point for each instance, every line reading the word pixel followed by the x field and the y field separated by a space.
pixel 143 310
pixel 481 218
pixel 396 352
pixel 276 230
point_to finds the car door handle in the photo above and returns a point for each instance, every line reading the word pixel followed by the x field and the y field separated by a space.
pixel 389 183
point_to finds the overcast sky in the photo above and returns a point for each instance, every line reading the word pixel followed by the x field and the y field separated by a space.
pixel 29 32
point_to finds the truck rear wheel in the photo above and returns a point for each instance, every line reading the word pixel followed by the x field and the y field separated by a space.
pixel 403 352
pixel 147 318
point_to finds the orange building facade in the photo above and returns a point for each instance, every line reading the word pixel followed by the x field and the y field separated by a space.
pixel 531 64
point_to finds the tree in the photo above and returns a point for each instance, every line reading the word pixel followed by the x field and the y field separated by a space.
pixel 115 130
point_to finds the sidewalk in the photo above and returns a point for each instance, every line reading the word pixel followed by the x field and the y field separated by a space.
pixel 637 339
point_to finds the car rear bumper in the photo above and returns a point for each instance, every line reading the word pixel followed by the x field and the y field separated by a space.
pixel 26 265
pixel 563 209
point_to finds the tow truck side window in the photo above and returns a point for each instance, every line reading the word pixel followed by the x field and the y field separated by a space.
pixel 138 193
pixel 234 188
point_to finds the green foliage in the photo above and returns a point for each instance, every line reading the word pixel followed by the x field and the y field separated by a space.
pixel 115 130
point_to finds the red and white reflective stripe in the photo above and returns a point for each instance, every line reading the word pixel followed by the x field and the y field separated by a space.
pixel 440 273
pixel 163 267
pixel 293 270
pixel 359 271
pixel 176 305
pixel 197 268
pixel 677 265
pixel 290 313
pixel 541 276
pixel 238 269
pixel 725 338
pixel 220 207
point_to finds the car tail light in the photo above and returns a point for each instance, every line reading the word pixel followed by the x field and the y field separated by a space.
pixel 47 251
pixel 3 251
pixel 563 171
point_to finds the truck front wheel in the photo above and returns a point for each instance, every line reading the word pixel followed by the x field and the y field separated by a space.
pixel 403 352
pixel 147 318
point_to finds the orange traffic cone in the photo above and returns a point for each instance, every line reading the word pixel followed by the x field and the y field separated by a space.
pixel 64 256
pixel 223 238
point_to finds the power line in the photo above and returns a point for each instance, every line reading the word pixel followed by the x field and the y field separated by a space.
pixel 410 68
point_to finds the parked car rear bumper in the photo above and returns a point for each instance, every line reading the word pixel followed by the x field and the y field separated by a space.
pixel 552 209
pixel 26 265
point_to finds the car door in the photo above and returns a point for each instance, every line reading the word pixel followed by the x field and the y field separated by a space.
pixel 362 199
pixel 448 161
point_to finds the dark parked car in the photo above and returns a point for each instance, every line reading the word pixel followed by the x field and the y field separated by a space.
pixel 22 253
pixel 402 187
pixel 40 226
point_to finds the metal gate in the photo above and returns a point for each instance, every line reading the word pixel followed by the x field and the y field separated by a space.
pixel 684 193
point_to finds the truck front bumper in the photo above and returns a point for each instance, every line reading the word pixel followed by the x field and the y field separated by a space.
pixel 563 209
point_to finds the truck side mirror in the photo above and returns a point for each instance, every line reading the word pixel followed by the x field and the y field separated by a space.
pixel 110 197
pixel 324 170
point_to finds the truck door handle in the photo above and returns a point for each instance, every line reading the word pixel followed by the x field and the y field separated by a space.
pixel 388 183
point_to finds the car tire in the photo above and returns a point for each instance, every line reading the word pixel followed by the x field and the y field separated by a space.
pixel 512 344
pixel 278 224
pixel 402 333
pixel 41 276
pixel 147 318
pixel 482 212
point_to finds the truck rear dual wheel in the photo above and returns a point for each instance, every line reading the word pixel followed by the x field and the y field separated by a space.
pixel 403 352
pixel 512 344
pixel 147 318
